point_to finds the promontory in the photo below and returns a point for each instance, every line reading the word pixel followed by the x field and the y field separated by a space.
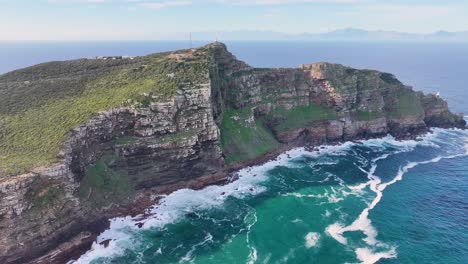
pixel 86 140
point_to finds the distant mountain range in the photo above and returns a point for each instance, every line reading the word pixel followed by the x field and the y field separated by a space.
pixel 348 34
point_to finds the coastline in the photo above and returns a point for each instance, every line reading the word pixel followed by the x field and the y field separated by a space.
pixel 227 117
pixel 151 198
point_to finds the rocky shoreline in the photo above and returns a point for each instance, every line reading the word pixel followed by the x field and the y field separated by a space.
pixel 141 207
pixel 227 117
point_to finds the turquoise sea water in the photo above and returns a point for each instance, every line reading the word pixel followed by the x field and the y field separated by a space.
pixel 377 201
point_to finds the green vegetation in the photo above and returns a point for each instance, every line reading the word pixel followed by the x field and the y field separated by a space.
pixel 176 137
pixel 408 104
pixel 126 140
pixel 389 78
pixel 36 118
pixel 40 105
pixel 299 116
pixel 347 80
pixel 368 115
pixel 169 138
pixel 243 137
pixel 102 185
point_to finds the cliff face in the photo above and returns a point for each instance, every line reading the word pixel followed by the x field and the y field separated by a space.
pixel 223 117
pixel 317 103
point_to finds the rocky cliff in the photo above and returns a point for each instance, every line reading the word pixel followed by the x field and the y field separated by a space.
pixel 128 129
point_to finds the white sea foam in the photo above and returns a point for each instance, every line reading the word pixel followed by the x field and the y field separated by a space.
pixel 329 196
pixel 312 239
pixel 363 223
pixel 297 220
pixel 177 204
pixel 252 256
pixel 189 256
pixel 405 145
pixel 174 206
pixel 368 256
pixel 359 187
pixel 335 231
pixel 251 220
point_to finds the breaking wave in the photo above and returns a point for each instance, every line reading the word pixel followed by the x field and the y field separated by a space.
pixel 363 224
pixel 176 205
pixel 249 183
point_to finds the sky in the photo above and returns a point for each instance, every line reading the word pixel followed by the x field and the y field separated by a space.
pixel 164 19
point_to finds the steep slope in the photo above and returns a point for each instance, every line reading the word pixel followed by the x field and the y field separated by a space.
pixel 86 140
pixel 317 103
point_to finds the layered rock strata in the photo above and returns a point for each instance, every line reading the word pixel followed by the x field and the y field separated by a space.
pixel 117 162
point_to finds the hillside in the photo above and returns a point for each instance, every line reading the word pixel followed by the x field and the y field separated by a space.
pixel 82 141
pixel 39 105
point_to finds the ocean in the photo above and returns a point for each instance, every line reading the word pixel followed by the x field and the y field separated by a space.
pixel 374 201
pixel 430 67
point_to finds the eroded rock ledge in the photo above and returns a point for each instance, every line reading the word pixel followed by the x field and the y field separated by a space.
pixel 115 163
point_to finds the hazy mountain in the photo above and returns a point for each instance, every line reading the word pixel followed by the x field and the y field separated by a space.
pixel 347 34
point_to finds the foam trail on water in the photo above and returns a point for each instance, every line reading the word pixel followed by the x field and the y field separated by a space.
pixel 176 205
pixel 367 256
pixel 364 224
pixel 189 256
pixel 253 251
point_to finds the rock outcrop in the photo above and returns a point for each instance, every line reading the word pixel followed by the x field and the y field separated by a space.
pixel 233 115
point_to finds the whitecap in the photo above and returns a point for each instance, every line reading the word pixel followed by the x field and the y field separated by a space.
pixel 368 256
pixel 363 223
pixel 189 256
pixel 311 239
pixel 176 205
pixel 335 231
pixel 359 187
pixel 251 220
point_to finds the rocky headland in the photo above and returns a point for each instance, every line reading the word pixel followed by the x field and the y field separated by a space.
pixel 87 140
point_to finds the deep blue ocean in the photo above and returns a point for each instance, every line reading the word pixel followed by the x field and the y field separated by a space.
pixel 375 201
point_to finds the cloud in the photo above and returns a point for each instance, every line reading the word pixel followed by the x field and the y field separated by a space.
pixel 166 3
pixel 160 5
pixel 417 10
pixel 284 2
pixel 149 4
pixel 78 1
pixel 403 12
pixel 414 18
pixel 271 14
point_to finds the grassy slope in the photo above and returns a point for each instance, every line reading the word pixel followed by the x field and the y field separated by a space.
pixel 347 80
pixel 299 116
pixel 244 137
pixel 408 104
pixel 243 140
pixel 41 104
pixel 102 185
